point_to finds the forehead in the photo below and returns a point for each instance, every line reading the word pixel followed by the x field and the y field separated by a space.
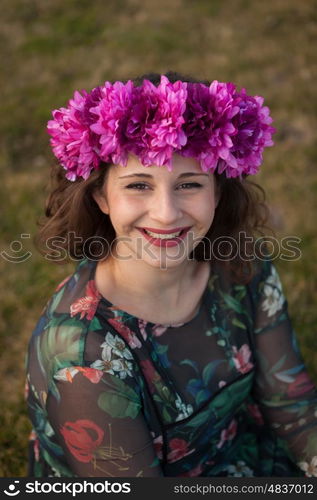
pixel 181 166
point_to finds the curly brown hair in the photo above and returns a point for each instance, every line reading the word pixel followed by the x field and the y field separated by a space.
pixel 73 218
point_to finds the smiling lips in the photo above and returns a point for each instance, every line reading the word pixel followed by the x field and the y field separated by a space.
pixel 164 237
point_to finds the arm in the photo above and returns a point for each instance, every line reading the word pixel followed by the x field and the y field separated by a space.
pixel 283 388
pixel 98 422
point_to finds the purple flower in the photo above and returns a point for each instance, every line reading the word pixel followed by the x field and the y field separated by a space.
pixel 71 139
pixel 254 133
pixel 154 128
pixel 111 115
pixel 208 123
pixel 221 128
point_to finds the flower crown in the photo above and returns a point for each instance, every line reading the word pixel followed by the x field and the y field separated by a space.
pixel 223 129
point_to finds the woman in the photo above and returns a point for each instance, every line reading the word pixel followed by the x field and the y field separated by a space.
pixel 169 351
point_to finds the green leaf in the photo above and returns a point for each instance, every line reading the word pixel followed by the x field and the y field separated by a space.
pixel 279 364
pixel 221 342
pixel 209 370
pixel 232 396
pixel 118 386
pixel 160 349
pixel 118 406
pixel 190 363
pixel 166 416
pixel 241 294
pixel 202 396
pixel 199 419
pixel 56 299
pixel 232 303
pixel 238 323
pixel 95 324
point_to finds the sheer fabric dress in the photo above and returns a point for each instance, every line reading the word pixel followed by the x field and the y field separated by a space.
pixel 225 394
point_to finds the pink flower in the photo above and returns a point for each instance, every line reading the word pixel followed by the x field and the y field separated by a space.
pixel 241 358
pixel 71 139
pixel 228 434
pixel 208 123
pixel 86 305
pixel 129 336
pixel 179 449
pixel 154 127
pixel 301 385
pixel 221 128
pixel 254 133
pixel 111 114
pixel 256 414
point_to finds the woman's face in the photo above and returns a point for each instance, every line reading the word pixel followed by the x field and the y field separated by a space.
pixel 159 216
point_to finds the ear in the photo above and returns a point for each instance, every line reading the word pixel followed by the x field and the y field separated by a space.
pixel 100 199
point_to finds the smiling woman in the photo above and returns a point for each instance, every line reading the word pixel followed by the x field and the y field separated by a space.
pixel 166 352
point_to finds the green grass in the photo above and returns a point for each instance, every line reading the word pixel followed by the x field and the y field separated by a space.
pixel 49 48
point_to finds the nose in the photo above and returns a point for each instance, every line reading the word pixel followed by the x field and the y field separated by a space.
pixel 165 208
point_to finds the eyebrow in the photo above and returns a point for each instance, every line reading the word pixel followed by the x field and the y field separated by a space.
pixel 184 174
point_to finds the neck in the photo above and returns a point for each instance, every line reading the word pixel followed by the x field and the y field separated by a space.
pixel 139 280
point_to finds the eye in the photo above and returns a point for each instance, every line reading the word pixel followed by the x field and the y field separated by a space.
pixel 190 185
pixel 138 186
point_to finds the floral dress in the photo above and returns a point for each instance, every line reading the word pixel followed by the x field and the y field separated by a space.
pixel 224 394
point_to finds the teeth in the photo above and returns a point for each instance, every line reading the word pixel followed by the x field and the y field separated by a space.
pixel 163 236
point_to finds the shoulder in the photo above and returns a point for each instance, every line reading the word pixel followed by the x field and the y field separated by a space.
pixel 59 336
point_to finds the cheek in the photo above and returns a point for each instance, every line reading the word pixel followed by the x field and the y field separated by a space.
pixel 206 210
pixel 123 213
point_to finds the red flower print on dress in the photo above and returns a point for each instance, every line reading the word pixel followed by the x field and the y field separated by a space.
pixel 150 374
pixel 158 446
pixel 179 449
pixel 67 374
pixel 92 374
pixel 228 434
pixel 82 438
pixel 87 305
pixel 129 336
pixel 301 385
pixel 256 414
pixel 241 358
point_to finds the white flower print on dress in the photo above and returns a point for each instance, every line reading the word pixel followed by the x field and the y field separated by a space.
pixel 239 470
pixel 274 298
pixel 117 346
pixel 184 410
pixel 114 346
pixel 310 469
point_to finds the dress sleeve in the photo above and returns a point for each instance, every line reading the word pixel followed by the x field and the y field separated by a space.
pixel 283 388
pixel 98 421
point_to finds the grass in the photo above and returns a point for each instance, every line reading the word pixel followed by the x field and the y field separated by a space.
pixel 50 48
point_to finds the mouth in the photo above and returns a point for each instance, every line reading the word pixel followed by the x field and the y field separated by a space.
pixel 165 234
